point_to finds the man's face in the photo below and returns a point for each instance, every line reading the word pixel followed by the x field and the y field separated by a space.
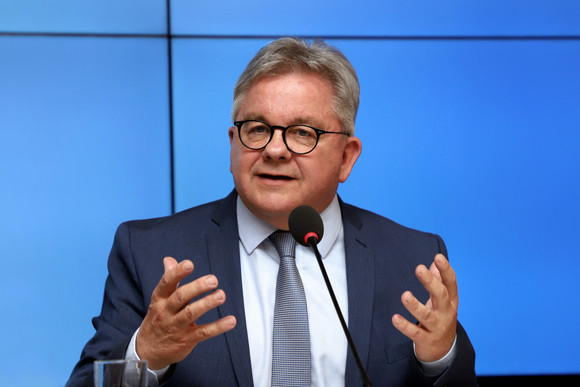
pixel 273 181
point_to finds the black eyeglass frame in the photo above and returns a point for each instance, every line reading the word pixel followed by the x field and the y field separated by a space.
pixel 319 132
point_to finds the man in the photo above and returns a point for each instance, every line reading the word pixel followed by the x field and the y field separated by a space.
pixel 292 143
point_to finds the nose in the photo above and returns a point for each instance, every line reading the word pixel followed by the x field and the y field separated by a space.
pixel 276 148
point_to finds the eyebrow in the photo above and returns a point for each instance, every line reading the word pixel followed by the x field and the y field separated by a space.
pixel 296 121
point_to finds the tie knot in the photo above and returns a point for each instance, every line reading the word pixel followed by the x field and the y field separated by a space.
pixel 284 242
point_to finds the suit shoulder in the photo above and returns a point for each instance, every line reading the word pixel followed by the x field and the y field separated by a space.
pixel 379 227
pixel 194 218
pixel 372 219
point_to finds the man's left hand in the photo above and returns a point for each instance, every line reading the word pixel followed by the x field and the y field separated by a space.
pixel 435 333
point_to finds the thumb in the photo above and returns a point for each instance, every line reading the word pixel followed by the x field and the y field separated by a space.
pixel 169 263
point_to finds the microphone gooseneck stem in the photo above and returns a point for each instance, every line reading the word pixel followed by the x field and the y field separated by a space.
pixel 312 243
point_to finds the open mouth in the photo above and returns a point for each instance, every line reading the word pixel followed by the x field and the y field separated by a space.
pixel 275 177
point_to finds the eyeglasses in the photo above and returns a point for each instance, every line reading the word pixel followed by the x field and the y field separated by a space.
pixel 299 139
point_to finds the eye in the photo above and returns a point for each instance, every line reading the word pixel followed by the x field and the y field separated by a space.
pixel 301 133
pixel 256 128
pixel 260 128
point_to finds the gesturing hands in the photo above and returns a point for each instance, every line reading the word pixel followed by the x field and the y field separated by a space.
pixel 169 331
pixel 434 335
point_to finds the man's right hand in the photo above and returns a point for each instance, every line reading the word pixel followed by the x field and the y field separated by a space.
pixel 169 331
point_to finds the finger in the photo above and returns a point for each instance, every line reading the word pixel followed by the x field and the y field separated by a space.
pixel 412 331
pixel 198 308
pixel 436 289
pixel 213 329
pixel 184 294
pixel 174 273
pixel 435 271
pixel 448 276
pixel 421 312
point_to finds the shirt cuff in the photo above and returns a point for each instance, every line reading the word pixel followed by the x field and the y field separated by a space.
pixel 153 375
pixel 434 368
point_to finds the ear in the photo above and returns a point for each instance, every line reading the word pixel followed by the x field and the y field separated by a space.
pixel 231 134
pixel 352 151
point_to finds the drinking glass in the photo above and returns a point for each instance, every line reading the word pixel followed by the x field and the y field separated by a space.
pixel 120 373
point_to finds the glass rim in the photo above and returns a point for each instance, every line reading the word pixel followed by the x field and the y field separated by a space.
pixel 319 132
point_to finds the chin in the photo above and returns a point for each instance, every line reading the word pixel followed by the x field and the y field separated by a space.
pixel 276 208
pixel 273 206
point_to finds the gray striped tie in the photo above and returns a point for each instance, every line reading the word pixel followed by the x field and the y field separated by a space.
pixel 291 355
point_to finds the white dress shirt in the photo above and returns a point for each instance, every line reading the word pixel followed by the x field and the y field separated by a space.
pixel 259 263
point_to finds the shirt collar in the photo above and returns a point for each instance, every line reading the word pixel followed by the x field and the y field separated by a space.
pixel 252 230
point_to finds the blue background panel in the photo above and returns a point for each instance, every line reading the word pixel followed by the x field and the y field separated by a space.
pixel 475 141
pixel 376 17
pixel 82 16
pixel 83 147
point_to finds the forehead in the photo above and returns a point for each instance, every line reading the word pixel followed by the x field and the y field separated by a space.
pixel 288 99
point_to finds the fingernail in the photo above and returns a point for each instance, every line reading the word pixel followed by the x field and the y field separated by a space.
pixel 230 322
pixel 219 296
pixel 187 265
pixel 211 281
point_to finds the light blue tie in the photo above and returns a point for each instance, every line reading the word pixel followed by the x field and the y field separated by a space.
pixel 291 350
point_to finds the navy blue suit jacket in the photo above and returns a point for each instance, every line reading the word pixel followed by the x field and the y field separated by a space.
pixel 381 257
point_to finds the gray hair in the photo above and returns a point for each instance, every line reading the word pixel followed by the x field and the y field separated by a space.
pixel 296 55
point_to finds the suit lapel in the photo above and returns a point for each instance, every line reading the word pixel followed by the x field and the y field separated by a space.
pixel 361 285
pixel 224 258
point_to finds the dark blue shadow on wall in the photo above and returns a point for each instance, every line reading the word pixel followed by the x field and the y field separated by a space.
pixel 529 380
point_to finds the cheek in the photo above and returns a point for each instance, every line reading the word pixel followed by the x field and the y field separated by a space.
pixel 240 162
pixel 324 171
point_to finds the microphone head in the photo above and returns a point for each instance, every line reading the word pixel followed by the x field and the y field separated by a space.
pixel 305 222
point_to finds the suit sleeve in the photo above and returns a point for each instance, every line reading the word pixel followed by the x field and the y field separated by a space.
pixel 122 311
pixel 461 372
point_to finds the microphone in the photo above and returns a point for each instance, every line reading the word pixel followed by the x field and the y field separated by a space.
pixel 305 223
pixel 306 227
